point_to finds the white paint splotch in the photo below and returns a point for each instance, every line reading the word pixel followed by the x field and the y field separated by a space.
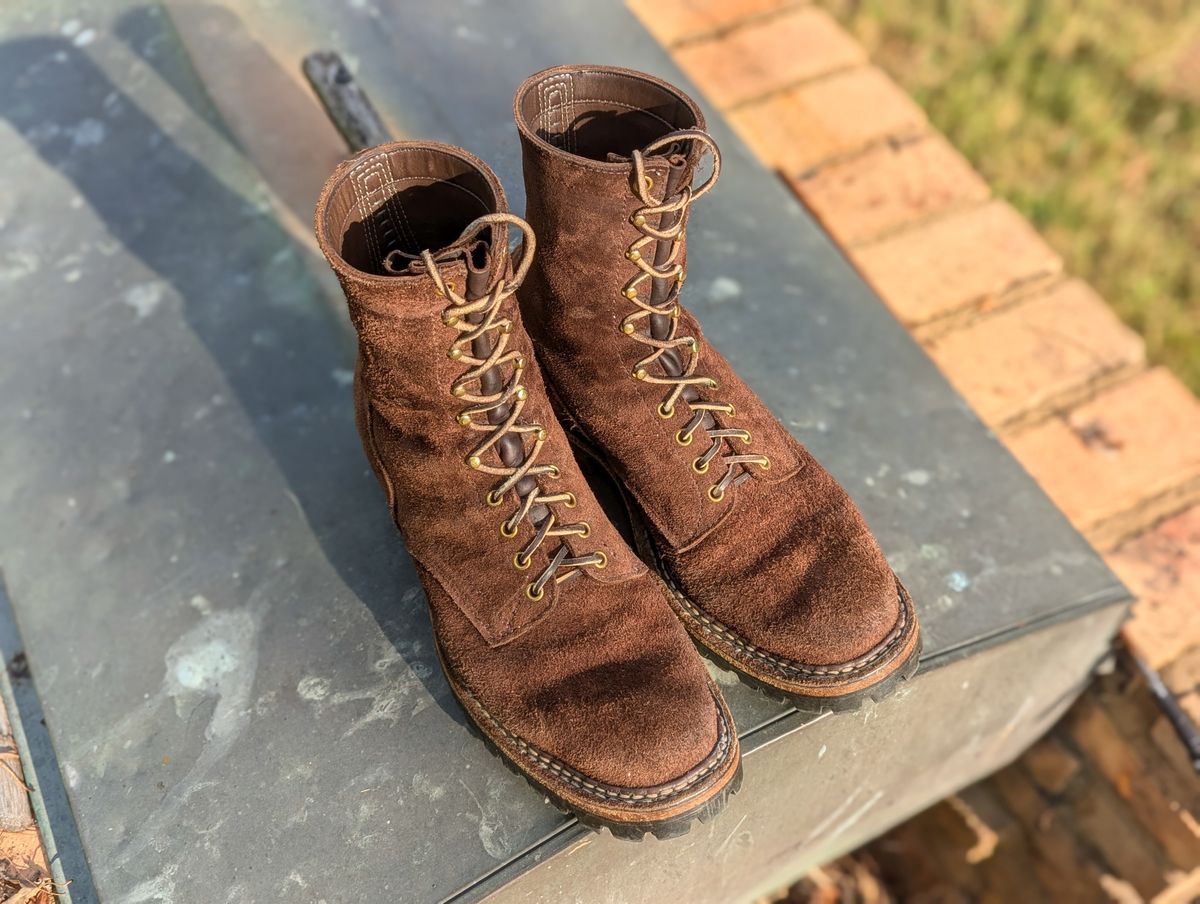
pixel 724 288
pixel 215 661
pixel 494 833
pixel 143 298
pixel 393 696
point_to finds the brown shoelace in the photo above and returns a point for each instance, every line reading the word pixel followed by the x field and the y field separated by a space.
pixel 674 359
pixel 497 415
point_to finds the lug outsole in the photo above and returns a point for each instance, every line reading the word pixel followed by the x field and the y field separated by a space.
pixel 661 829
pixel 845 703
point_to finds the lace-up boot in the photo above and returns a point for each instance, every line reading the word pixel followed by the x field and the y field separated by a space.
pixel 558 642
pixel 769 564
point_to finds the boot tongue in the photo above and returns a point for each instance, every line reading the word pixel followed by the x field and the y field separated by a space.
pixel 401 263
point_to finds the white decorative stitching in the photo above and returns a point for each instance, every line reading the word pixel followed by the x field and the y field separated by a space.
pixel 556 106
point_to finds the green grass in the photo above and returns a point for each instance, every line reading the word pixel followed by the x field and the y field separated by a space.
pixel 1085 115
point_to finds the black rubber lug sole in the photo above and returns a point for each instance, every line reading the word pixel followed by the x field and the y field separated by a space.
pixel 845 703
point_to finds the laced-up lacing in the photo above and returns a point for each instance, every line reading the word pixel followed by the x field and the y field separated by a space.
pixel 476 318
pixel 687 383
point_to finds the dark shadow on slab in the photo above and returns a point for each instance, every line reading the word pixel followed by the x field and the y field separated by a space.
pixel 149 33
pixel 277 357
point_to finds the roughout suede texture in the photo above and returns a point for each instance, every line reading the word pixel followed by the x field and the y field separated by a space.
pixel 599 674
pixel 785 561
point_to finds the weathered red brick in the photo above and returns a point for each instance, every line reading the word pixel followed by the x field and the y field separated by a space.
pixel 965 259
pixel 1060 859
pixel 1161 817
pixel 1182 676
pixel 1051 764
pixel 763 57
pixel 1039 356
pixel 798 129
pixel 672 21
pixel 1108 826
pixel 1123 459
pixel 1167 741
pixel 889 185
pixel 1162 568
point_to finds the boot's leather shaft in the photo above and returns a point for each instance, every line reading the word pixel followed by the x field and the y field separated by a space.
pixel 406 379
pixel 557 640
pixel 772 564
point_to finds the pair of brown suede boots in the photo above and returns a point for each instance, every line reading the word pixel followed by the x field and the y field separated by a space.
pixel 477 366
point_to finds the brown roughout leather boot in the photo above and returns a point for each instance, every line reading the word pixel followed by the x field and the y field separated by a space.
pixel 770 565
pixel 556 639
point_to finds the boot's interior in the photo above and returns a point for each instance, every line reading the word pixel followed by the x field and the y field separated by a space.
pixel 595 113
pixel 405 199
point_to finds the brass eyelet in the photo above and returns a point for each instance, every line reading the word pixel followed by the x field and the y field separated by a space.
pixel 748 438
pixel 474 462
pixel 521 393
pixel 517 562
pixel 493 500
pixel 711 383
pixel 732 412
pixel 458 391
pixel 682 277
pixel 463 419
pixel 682 439
pixel 649 182
pixel 640 374
pixel 571 501
pixel 529 592
pixel 714 495
pixel 765 464
pixel 504 530
pixel 627 328
pixel 451 286
pixel 587 530
pixel 449 319
pixel 454 354
pixel 633 254
pixel 637 220
pixel 541 434
pixel 507 327
pixel 520 363
pixel 700 466
pixel 554 473
pixel 603 563
pixel 664 412
pixel 630 293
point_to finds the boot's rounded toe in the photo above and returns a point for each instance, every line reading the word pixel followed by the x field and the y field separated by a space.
pixel 606 705
pixel 802 600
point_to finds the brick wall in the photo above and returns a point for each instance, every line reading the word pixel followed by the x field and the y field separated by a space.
pixel 1107 806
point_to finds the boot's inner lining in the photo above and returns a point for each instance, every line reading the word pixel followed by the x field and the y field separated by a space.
pixel 597 113
pixel 408 200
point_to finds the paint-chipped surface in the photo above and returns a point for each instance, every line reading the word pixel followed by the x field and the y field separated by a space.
pixel 229 640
